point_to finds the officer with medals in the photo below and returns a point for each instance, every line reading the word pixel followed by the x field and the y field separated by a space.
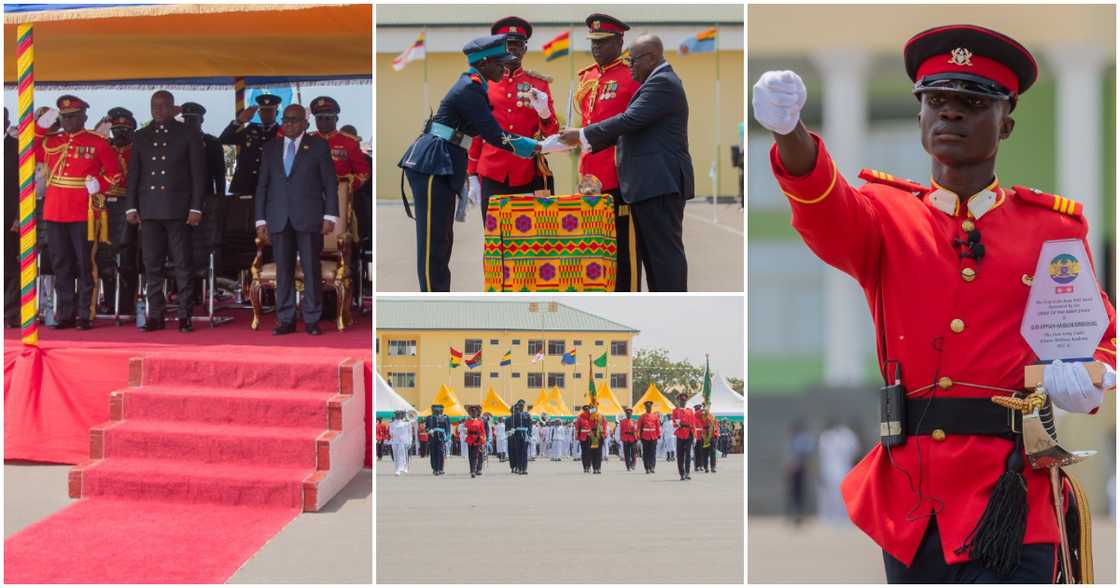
pixel 946 270
pixel 436 162
pixel 522 104
pixel 439 431
pixel 349 162
pixel 120 260
pixel 604 90
pixel 249 138
pixel 207 236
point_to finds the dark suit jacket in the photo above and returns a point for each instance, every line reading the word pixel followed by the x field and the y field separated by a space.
pixel 166 172
pixel 302 198
pixel 215 166
pixel 652 140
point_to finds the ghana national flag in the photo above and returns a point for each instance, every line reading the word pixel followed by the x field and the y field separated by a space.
pixel 456 357
pixel 702 42
pixel 557 47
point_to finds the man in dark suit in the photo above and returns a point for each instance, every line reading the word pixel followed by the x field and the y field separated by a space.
pixel 297 205
pixel 655 168
pixel 166 182
pixel 207 236
pixel 11 226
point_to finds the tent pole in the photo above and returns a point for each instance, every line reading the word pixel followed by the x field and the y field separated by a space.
pixel 28 271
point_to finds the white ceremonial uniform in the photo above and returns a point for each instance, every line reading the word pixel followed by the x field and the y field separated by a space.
pixel 400 437
pixel 500 438
pixel 838 449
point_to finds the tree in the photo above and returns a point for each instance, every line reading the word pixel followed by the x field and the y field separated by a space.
pixel 653 366
pixel 736 384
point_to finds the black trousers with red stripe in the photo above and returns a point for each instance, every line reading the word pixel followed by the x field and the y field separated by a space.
pixel 1038 565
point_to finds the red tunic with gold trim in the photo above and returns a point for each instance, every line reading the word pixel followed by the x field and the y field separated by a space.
pixel 602 93
pixel 953 324
pixel 684 421
pixel 349 161
pixel 70 159
pixel 649 427
pixel 509 101
pixel 627 430
pixel 476 432
pixel 586 423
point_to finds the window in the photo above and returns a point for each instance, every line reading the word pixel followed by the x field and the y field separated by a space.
pixel 516 374
pixel 618 348
pixel 472 380
pixel 517 341
pixel 577 375
pixel 598 342
pixel 598 376
pixel 402 379
pixel 493 341
pixel 618 380
pixel 535 380
pixel 556 347
pixel 494 375
pixel 402 347
pixel 555 379
pixel 577 343
pixel 472 346
pixel 536 346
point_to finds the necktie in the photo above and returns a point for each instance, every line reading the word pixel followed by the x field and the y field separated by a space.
pixel 289 157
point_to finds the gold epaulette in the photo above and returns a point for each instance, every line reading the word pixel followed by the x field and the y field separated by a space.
pixel 878 177
pixel 539 76
pixel 587 69
pixel 1051 201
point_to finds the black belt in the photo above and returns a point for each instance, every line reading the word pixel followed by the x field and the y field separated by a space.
pixel 961 416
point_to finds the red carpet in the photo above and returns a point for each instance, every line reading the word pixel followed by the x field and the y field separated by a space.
pixel 205 456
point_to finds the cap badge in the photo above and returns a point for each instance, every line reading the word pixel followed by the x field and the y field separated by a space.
pixel 514 29
pixel 596 25
pixel 960 56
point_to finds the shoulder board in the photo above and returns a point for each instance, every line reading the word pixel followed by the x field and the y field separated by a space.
pixel 476 78
pixel 878 177
pixel 538 76
pixel 1051 201
pixel 586 69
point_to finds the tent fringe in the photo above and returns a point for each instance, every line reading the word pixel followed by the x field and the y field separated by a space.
pixel 141 11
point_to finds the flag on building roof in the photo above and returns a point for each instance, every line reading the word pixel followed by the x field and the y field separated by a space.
pixel 456 358
pixel 507 359
pixel 537 358
pixel 601 361
pixel 702 42
pixel 474 360
pixel 557 47
pixel 415 52
pixel 569 358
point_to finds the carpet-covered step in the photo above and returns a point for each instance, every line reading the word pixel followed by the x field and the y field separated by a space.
pixel 207 443
pixel 243 371
pixel 280 408
pixel 180 481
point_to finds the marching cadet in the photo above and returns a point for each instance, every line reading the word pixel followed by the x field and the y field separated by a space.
pixel 520 426
pixel 121 258
pixel 249 138
pixel 400 438
pixel 591 430
pixel 436 162
pixel 165 187
pixel 604 90
pixel 81 167
pixel 947 307
pixel 628 434
pixel 206 236
pixel 382 432
pixel 350 163
pixel 684 422
pixel 649 429
pixel 521 102
pixel 476 440
pixel 703 438
pixel 439 431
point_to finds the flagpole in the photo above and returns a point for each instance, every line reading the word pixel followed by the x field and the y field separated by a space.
pixel 715 186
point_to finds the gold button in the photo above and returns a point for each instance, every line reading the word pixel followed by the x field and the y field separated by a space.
pixel 945 382
pixel 1027 279
pixel 956 325
pixel 938 435
pixel 968 225
pixel 968 274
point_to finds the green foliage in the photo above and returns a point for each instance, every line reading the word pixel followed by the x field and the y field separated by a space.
pixel 653 366
pixel 736 384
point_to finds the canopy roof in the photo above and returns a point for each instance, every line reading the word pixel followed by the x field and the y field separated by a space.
pixel 494 404
pixel 661 403
pixel 725 401
pixel 192 44
pixel 541 404
pixel 556 403
pixel 451 406
pixel 608 404
pixel 385 399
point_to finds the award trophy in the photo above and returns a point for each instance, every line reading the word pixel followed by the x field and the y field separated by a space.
pixel 1064 320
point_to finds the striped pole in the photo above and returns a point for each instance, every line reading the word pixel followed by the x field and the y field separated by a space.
pixel 28 272
pixel 238 96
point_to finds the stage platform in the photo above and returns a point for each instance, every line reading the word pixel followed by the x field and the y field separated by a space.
pixel 55 393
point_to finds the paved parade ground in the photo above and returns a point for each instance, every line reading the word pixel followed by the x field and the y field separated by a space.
pixel 779 553
pixel 559 525
pixel 713 242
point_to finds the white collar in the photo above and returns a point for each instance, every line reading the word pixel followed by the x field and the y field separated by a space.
pixel 978 204
pixel 297 140
pixel 663 65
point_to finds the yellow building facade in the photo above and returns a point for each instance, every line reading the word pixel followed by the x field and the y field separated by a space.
pixel 414 340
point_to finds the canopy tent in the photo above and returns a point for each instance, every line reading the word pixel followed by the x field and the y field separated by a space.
pixel 661 403
pixel 192 44
pixel 725 401
pixel 556 404
pixel 540 404
pixel 451 406
pixel 494 404
pixel 386 400
pixel 608 404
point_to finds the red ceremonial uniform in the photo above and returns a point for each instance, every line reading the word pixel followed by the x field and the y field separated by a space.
pixel 586 423
pixel 649 427
pixel 70 159
pixel 509 100
pixel 422 432
pixel 684 420
pixel 382 432
pixel 123 155
pixel 602 93
pixel 701 420
pixel 951 321
pixel 349 162
pixel 476 432
pixel 628 430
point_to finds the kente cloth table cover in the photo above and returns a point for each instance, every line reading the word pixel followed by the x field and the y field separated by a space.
pixel 549 244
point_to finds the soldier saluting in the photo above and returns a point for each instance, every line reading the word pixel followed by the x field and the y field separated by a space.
pixel 946 271
pixel 249 138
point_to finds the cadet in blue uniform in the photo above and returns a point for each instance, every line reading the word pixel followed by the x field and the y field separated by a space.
pixel 439 430
pixel 520 424
pixel 436 162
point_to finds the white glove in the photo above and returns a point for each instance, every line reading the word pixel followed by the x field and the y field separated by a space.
pixel 474 190
pixel 778 99
pixel 552 144
pixel 48 118
pixel 92 185
pixel 539 101
pixel 1071 389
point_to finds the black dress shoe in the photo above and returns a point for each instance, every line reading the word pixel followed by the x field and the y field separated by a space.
pixel 284 329
pixel 84 324
pixel 153 325
pixel 313 330
pixel 185 325
pixel 64 324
